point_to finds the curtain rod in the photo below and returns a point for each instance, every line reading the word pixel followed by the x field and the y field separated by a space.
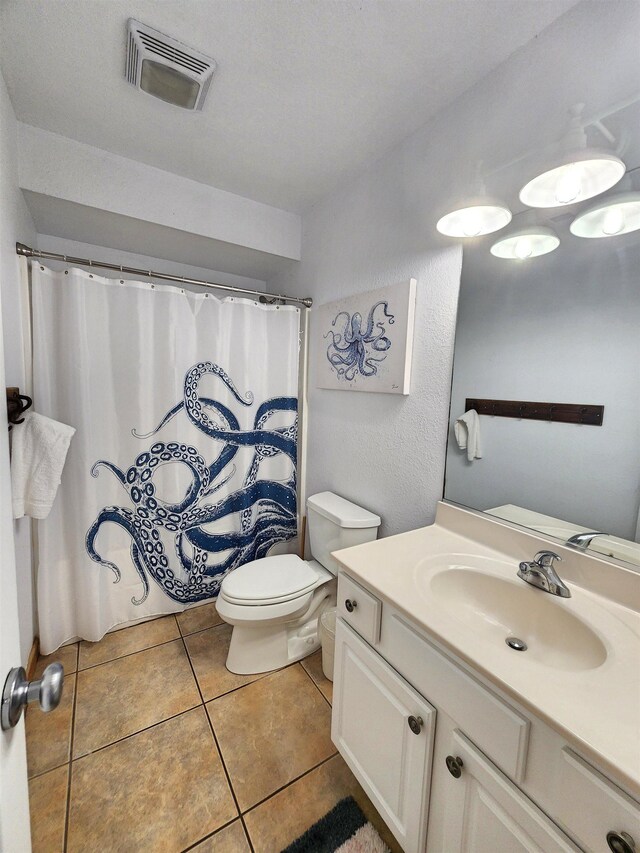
pixel 27 252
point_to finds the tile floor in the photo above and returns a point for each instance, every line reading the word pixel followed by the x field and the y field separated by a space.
pixel 156 746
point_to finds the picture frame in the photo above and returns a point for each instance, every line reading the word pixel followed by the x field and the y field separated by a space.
pixel 364 342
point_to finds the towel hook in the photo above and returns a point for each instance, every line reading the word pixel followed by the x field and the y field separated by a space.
pixel 17 404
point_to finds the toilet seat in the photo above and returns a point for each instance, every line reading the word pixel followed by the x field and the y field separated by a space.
pixel 271 580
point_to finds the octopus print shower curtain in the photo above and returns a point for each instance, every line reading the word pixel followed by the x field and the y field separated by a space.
pixel 183 465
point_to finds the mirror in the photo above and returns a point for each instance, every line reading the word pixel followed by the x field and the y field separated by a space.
pixel 559 328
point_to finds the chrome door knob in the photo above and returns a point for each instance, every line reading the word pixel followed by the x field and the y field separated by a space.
pixel 18 692
pixel 350 604
pixel 620 842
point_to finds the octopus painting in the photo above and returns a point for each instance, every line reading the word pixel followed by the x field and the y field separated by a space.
pixel 261 513
pixel 357 347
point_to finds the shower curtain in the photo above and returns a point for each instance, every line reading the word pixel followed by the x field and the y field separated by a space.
pixel 183 465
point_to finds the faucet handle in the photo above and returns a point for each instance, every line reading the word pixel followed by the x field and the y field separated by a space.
pixel 546 558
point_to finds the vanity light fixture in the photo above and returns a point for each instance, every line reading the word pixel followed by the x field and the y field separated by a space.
pixel 616 214
pixel 524 243
pixel 475 219
pixel 580 172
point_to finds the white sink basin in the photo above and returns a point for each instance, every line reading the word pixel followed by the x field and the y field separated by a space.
pixel 500 607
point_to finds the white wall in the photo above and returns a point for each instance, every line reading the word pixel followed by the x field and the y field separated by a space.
pixel 382 451
pixel 47 243
pixel 61 168
pixel 387 452
pixel 15 224
pixel 562 328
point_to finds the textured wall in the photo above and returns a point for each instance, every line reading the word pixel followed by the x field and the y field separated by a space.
pixel 383 451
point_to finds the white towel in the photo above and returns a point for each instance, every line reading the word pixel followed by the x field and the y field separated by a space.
pixel 467 432
pixel 38 452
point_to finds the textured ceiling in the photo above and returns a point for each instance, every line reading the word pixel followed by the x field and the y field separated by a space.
pixel 306 93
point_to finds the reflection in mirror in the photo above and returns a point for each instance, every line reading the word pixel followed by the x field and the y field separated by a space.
pixel 563 327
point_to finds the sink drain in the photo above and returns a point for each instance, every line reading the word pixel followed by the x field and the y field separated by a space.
pixel 516 643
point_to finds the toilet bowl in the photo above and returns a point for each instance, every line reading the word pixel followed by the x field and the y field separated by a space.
pixel 274 603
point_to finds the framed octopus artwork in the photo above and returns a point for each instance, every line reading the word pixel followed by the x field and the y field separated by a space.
pixel 364 342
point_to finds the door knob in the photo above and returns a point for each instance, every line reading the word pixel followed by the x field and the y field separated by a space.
pixel 620 842
pixel 415 724
pixel 454 766
pixel 350 604
pixel 18 692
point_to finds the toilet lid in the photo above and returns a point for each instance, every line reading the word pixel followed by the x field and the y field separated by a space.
pixel 279 578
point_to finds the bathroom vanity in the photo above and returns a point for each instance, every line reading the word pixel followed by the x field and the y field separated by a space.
pixel 463 742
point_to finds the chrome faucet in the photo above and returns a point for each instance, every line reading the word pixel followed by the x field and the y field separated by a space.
pixel 541 573
pixel 581 541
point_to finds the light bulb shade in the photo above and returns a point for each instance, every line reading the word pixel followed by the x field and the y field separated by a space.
pixel 525 243
pixel 617 214
pixel 475 219
pixel 582 175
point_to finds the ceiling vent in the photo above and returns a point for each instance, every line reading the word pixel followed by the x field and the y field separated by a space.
pixel 167 68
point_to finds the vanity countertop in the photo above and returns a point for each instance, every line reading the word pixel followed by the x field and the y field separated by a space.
pixel 455 579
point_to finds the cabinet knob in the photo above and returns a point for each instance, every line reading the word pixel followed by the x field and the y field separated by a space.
pixel 350 604
pixel 454 766
pixel 415 724
pixel 620 842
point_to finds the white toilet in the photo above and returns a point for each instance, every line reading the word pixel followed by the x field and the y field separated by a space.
pixel 274 604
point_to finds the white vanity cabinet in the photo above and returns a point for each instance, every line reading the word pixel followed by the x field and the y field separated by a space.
pixel 384 730
pixel 480 774
pixel 477 808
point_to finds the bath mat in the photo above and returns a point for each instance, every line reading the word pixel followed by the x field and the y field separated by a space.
pixel 344 829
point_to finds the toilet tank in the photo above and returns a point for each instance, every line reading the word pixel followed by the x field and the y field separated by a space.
pixel 334 523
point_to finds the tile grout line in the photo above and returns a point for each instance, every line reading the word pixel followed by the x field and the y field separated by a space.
pixel 133 734
pixel 165 720
pixel 291 782
pixel 180 636
pixel 211 834
pixel 129 654
pixel 70 759
pixel 330 704
pixel 219 750
pixel 151 725
pixel 49 770
pixel 67 816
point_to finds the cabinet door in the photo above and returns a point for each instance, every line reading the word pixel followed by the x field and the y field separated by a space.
pixel 384 730
pixel 485 812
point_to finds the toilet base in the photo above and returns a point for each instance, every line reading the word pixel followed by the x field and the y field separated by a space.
pixel 273 645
